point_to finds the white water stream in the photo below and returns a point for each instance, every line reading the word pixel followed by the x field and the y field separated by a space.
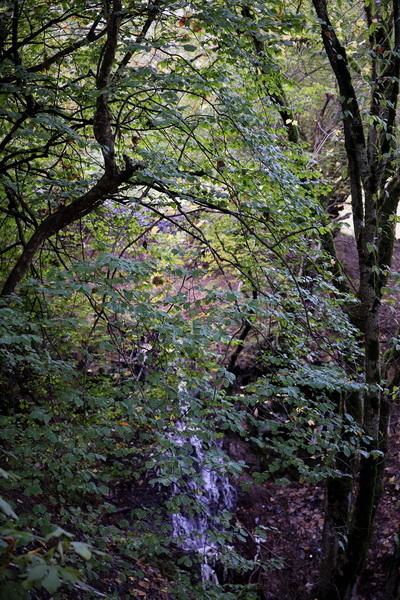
pixel 213 492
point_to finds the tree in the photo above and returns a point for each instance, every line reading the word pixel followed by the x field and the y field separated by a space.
pixel 370 138
pixel 370 142
pixel 144 143
pixel 33 105
pixel 67 93
pixel 118 118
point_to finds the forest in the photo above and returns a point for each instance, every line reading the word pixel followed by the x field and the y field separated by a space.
pixel 199 323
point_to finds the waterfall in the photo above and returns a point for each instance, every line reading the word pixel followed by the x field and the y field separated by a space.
pixel 214 493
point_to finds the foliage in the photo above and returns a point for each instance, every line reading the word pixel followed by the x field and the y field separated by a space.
pixel 163 231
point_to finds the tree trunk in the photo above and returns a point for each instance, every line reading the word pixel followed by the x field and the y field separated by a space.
pixel 337 514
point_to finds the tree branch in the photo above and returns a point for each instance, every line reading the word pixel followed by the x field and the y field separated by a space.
pixel 277 97
pixel 92 36
pixel 65 215
pixel 352 123
pixel 154 10
pixel 102 120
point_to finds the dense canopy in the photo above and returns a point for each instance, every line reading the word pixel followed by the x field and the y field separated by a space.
pixel 190 330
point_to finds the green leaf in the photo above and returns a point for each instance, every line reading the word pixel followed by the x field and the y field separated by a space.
pixel 6 509
pixel 37 573
pixel 40 415
pixel 82 549
pixel 58 532
pixel 52 581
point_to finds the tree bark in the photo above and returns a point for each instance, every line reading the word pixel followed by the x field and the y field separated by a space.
pixel 337 512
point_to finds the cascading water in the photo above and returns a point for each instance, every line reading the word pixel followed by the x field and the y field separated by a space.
pixel 214 493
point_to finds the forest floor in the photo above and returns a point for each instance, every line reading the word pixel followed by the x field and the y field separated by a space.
pixel 293 513
pixel 293 516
